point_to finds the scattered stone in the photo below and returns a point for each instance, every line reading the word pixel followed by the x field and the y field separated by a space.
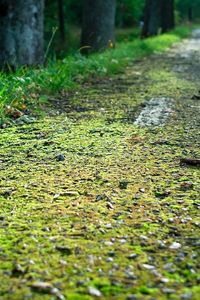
pixel 144 237
pixel 171 220
pixel 109 259
pixel 64 249
pixel 132 256
pixel 101 197
pixel 109 205
pixel 80 283
pixel 132 297
pixel 163 280
pixel 91 259
pixel 168 291
pixel 24 119
pixel 47 229
pixel 162 194
pixel 186 186
pixel 169 267
pixel 187 296
pixel 77 251
pixel 71 193
pixel 130 275
pixel 108 243
pixel 31 262
pixel 123 241
pixel 197 224
pixel 42 287
pixel 63 262
pixel 155 112
pixel 186 219
pixel 18 270
pixel 195 97
pixel 175 246
pixel 149 267
pixel 109 226
pixel 111 254
pixel 60 157
pixel 161 244
pixel 94 291
pixel 123 184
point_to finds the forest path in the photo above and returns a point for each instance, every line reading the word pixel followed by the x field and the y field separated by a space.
pixel 93 206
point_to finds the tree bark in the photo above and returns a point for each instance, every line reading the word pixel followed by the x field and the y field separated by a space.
pixel 98 25
pixel 167 15
pixel 190 14
pixel 61 17
pixel 152 18
pixel 21 33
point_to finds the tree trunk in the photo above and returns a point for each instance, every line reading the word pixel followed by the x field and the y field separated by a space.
pixel 98 25
pixel 167 15
pixel 190 14
pixel 152 18
pixel 21 33
pixel 61 17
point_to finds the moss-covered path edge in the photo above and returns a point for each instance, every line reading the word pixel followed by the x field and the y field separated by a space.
pixel 92 206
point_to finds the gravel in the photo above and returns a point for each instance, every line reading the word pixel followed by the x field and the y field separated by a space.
pixel 155 113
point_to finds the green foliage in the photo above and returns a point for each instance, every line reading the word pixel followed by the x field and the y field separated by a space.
pixel 129 12
pixel 183 7
pixel 27 87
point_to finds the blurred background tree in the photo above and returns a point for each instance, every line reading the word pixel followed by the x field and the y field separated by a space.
pixel 188 10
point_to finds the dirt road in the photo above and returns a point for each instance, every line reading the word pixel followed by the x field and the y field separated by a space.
pixel 94 205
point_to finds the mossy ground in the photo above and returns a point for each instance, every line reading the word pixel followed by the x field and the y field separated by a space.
pixel 106 216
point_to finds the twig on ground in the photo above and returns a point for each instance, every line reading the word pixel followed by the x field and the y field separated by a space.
pixel 190 161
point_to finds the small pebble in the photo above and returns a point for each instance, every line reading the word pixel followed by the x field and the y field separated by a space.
pixel 94 292
pixel 43 287
pixel 60 157
pixel 109 205
pixel 132 297
pixel 144 237
pixel 161 244
pixel 164 280
pixel 148 267
pixel 108 243
pixel 168 291
pixel 64 249
pixel 123 184
pixel 108 226
pixel 109 259
pixel 175 246
pixel 122 241
pixel 132 256
pixel 187 296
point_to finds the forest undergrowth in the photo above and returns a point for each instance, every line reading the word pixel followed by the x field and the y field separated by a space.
pixel 24 93
pixel 93 206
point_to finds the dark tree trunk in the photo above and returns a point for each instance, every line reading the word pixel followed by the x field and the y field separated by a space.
pixel 190 14
pixel 21 33
pixel 98 25
pixel 167 15
pixel 61 17
pixel 152 18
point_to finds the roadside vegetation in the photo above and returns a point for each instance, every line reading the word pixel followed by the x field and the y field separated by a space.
pixel 28 89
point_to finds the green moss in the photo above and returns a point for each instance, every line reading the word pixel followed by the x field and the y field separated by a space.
pixel 69 223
